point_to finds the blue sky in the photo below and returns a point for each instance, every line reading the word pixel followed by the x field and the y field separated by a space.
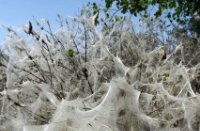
pixel 16 13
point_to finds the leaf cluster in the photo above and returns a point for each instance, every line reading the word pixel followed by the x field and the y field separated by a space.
pixel 178 10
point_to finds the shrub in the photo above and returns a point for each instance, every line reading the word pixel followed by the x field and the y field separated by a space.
pixel 116 80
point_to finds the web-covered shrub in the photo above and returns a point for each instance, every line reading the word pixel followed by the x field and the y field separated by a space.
pixel 80 79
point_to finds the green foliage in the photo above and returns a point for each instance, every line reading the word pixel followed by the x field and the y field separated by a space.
pixel 70 53
pixel 178 10
pixel 194 25
pixel 91 9
pixel 95 11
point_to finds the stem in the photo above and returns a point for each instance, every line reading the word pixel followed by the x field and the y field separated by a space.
pixel 86 44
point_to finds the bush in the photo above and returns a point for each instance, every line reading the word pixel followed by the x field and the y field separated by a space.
pixel 116 80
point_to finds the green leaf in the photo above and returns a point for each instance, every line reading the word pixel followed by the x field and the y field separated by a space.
pixel 158 12
pixel 70 53
pixel 169 15
pixel 116 18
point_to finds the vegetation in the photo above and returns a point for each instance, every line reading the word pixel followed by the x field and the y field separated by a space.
pixel 121 81
pixel 181 9
pixel 185 13
pixel 85 79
